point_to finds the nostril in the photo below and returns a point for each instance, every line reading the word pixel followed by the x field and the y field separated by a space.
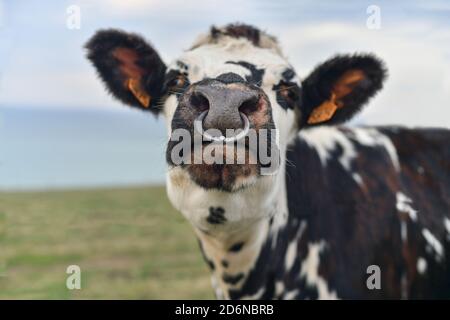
pixel 199 101
pixel 249 106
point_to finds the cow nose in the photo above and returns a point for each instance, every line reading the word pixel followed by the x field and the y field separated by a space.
pixel 224 105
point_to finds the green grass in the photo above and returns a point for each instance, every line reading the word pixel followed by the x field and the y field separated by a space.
pixel 129 243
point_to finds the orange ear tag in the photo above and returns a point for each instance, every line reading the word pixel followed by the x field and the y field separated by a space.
pixel 344 85
pixel 323 112
pixel 138 92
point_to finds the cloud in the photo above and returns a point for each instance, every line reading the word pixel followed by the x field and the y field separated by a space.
pixel 132 7
pixel 191 8
pixel 2 14
pixel 434 6
pixel 55 89
pixel 417 91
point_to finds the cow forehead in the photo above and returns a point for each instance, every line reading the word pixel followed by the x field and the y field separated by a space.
pixel 232 55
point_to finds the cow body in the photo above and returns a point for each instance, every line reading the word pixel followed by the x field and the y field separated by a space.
pixel 361 197
pixel 345 207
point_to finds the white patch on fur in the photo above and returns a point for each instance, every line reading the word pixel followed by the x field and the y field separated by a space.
pixel 279 209
pixel 358 179
pixel 265 41
pixel 217 291
pixel 291 254
pixel 169 109
pixel 447 227
pixel 310 270
pixel 434 244
pixel 372 138
pixel 325 140
pixel 211 59
pixel 279 288
pixel 404 205
pixel 291 295
pixel 292 250
pixel 255 296
pixel 421 265
pixel 404 230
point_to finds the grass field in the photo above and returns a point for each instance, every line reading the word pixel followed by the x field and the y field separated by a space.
pixel 129 243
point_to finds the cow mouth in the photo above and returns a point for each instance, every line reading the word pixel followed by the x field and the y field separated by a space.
pixel 226 176
pixel 239 167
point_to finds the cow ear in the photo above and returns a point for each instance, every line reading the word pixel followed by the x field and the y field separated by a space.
pixel 130 68
pixel 337 89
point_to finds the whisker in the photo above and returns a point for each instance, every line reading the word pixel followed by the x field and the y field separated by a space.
pixel 285 88
pixel 290 163
pixel 176 93
pixel 258 83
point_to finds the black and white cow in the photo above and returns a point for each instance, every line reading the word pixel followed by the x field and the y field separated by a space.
pixel 344 201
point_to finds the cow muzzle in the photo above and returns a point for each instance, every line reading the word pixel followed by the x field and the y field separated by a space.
pixel 229 119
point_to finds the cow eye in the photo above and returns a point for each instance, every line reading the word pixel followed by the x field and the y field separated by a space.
pixel 290 92
pixel 177 82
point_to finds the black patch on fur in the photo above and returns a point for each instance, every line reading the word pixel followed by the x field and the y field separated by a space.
pixel 230 77
pixel 183 67
pixel 100 50
pixel 171 83
pixel 293 99
pixel 288 74
pixel 316 88
pixel 238 31
pixel 256 74
pixel 225 263
pixel 216 215
pixel 232 279
pixel 236 247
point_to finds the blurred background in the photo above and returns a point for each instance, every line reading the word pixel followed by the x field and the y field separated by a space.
pixel 81 176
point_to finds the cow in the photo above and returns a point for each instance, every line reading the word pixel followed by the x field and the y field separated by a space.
pixel 336 213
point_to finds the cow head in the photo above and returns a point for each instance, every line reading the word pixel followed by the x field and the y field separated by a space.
pixel 234 78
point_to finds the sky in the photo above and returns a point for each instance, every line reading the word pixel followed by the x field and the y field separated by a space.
pixel 59 128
